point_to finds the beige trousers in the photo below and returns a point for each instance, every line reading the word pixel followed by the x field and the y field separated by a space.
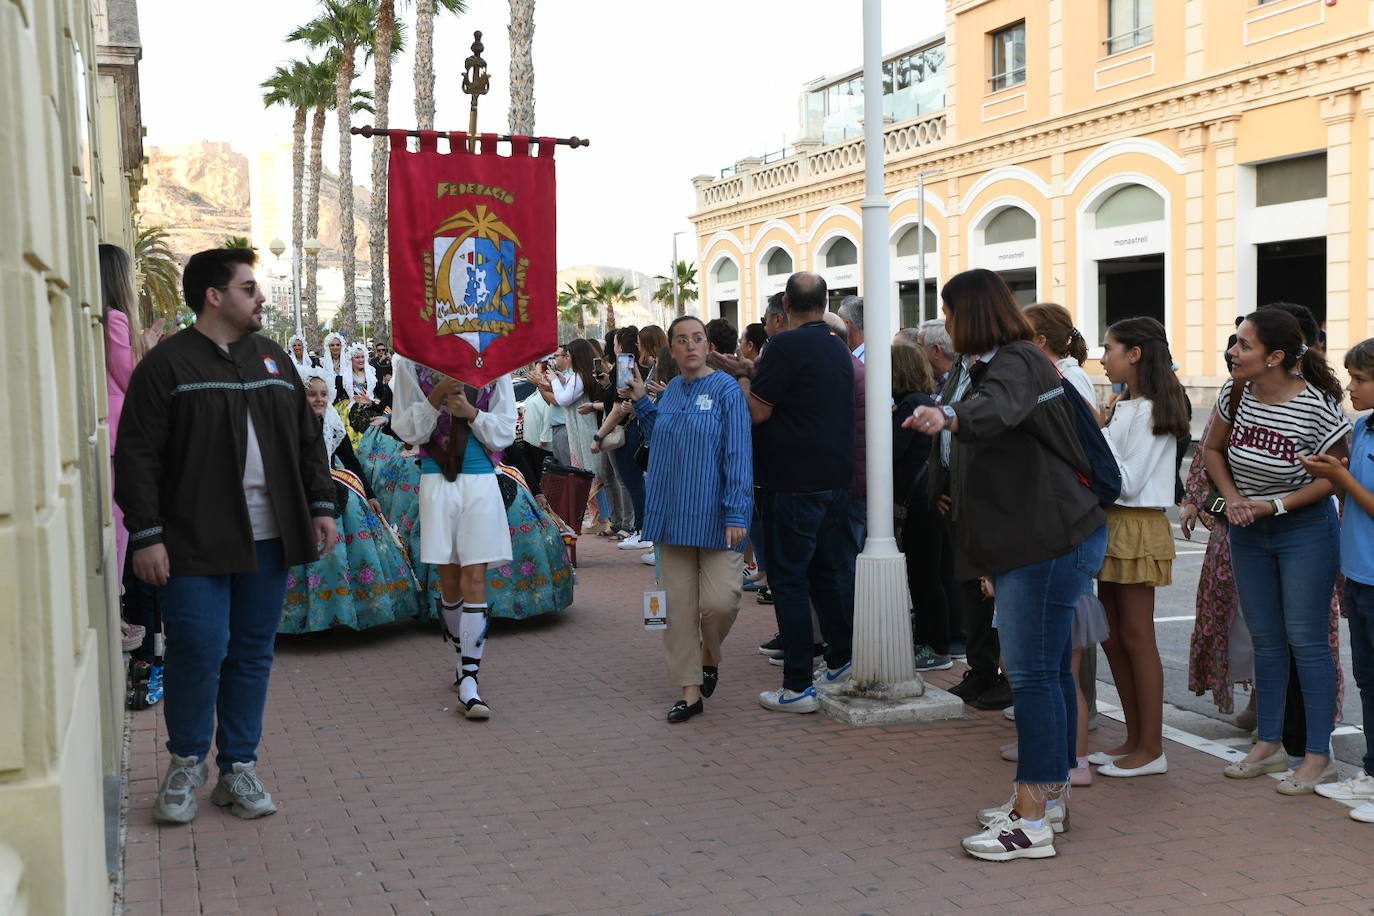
pixel 703 587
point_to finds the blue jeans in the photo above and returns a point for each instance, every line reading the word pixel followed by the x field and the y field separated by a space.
pixel 1035 608
pixel 631 477
pixel 1359 604
pixel 805 541
pixel 1285 569
pixel 221 633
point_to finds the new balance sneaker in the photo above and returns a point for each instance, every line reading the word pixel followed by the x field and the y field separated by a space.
pixel 1009 838
pixel 1359 787
pixel 242 793
pixel 927 659
pixel 827 675
pixel 773 645
pixel 176 797
pixel 784 700
pixel 1056 816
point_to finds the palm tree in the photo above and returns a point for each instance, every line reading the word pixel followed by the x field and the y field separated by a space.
pixel 389 41
pixel 522 67
pixel 291 86
pixel 576 300
pixel 237 241
pixel 342 27
pixel 156 275
pixel 424 55
pixel 611 292
pixel 686 286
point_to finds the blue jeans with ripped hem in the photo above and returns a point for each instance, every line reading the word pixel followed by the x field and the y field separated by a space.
pixel 1035 608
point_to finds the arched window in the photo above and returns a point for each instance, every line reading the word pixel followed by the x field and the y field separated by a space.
pixel 1129 205
pixel 727 272
pixel 841 253
pixel 906 242
pixel 779 262
pixel 1011 224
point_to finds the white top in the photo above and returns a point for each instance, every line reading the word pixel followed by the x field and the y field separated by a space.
pixel 1073 371
pixel 566 391
pixel 1266 440
pixel 413 418
pixel 1146 460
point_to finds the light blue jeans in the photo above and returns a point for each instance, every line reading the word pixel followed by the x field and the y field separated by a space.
pixel 1285 568
pixel 1035 608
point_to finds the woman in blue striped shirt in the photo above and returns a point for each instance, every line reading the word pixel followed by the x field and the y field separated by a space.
pixel 700 487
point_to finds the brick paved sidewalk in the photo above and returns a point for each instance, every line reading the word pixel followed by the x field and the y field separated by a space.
pixel 577 797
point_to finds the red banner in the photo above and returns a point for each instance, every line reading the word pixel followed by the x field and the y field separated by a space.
pixel 472 255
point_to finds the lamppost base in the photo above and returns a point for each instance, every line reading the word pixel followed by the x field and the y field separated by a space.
pixel 890 704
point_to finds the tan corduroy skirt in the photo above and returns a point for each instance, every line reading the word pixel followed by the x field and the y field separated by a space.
pixel 1140 547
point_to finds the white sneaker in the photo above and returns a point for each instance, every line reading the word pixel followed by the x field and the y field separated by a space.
pixel 648 559
pixel 783 700
pixel 1359 787
pixel 825 675
pixel 1056 816
pixel 176 797
pixel 634 542
pixel 1363 813
pixel 1009 838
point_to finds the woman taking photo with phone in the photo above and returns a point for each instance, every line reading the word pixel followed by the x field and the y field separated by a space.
pixel 1284 538
pixel 700 494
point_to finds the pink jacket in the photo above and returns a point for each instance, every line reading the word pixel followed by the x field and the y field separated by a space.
pixel 119 368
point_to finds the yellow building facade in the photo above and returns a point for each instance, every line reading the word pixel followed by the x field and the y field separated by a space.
pixel 71 147
pixel 1187 160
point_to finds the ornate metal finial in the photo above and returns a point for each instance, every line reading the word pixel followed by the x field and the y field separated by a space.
pixel 475 78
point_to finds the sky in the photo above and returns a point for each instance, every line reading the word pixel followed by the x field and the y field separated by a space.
pixel 664 91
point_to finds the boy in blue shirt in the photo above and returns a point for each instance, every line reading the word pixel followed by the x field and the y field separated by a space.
pixel 1355 485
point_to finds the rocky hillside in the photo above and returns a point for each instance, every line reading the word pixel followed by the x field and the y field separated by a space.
pixel 201 193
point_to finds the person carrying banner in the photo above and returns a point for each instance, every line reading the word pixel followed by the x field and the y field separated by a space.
pixel 462 516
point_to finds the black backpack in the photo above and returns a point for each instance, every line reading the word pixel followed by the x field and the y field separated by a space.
pixel 1106 474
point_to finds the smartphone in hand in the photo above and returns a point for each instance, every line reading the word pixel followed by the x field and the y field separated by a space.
pixel 624 370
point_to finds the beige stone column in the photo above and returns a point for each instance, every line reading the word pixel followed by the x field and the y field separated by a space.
pixel 1338 113
pixel 1221 137
pixel 1362 307
pixel 1192 143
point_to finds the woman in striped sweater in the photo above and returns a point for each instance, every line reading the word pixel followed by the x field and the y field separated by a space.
pixel 699 494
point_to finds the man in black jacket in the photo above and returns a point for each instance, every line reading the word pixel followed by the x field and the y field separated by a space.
pixel 221 471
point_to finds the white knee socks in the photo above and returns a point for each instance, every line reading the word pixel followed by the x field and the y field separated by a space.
pixel 472 638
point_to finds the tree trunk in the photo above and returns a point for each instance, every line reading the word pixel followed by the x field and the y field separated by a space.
pixel 386 30
pixel 581 322
pixel 610 316
pixel 297 198
pixel 522 67
pixel 310 299
pixel 424 64
pixel 348 237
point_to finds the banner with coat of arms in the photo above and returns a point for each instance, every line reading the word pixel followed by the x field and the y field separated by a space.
pixel 472 254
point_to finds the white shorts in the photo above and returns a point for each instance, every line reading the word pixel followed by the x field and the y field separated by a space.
pixel 463 522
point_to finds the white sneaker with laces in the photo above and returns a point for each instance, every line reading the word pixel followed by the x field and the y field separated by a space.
pixel 826 675
pixel 784 700
pixel 1359 787
pixel 242 793
pixel 1009 838
pixel 634 542
pixel 1364 813
pixel 176 797
pixel 648 559
pixel 1056 816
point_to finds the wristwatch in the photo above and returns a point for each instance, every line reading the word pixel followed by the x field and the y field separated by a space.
pixel 1279 507
pixel 949 415
pixel 596 437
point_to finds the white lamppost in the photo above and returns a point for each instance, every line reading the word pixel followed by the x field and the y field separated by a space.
pixel 884 687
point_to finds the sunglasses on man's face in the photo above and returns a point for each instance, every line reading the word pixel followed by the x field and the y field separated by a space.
pixel 251 287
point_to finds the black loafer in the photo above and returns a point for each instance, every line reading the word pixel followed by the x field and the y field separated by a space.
pixel 764 595
pixel 709 677
pixel 681 712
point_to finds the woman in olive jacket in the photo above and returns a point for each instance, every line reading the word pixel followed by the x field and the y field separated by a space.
pixel 1025 518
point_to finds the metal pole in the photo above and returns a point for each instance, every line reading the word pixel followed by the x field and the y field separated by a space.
pixel 921 247
pixel 884 680
pixel 296 286
pixel 673 270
